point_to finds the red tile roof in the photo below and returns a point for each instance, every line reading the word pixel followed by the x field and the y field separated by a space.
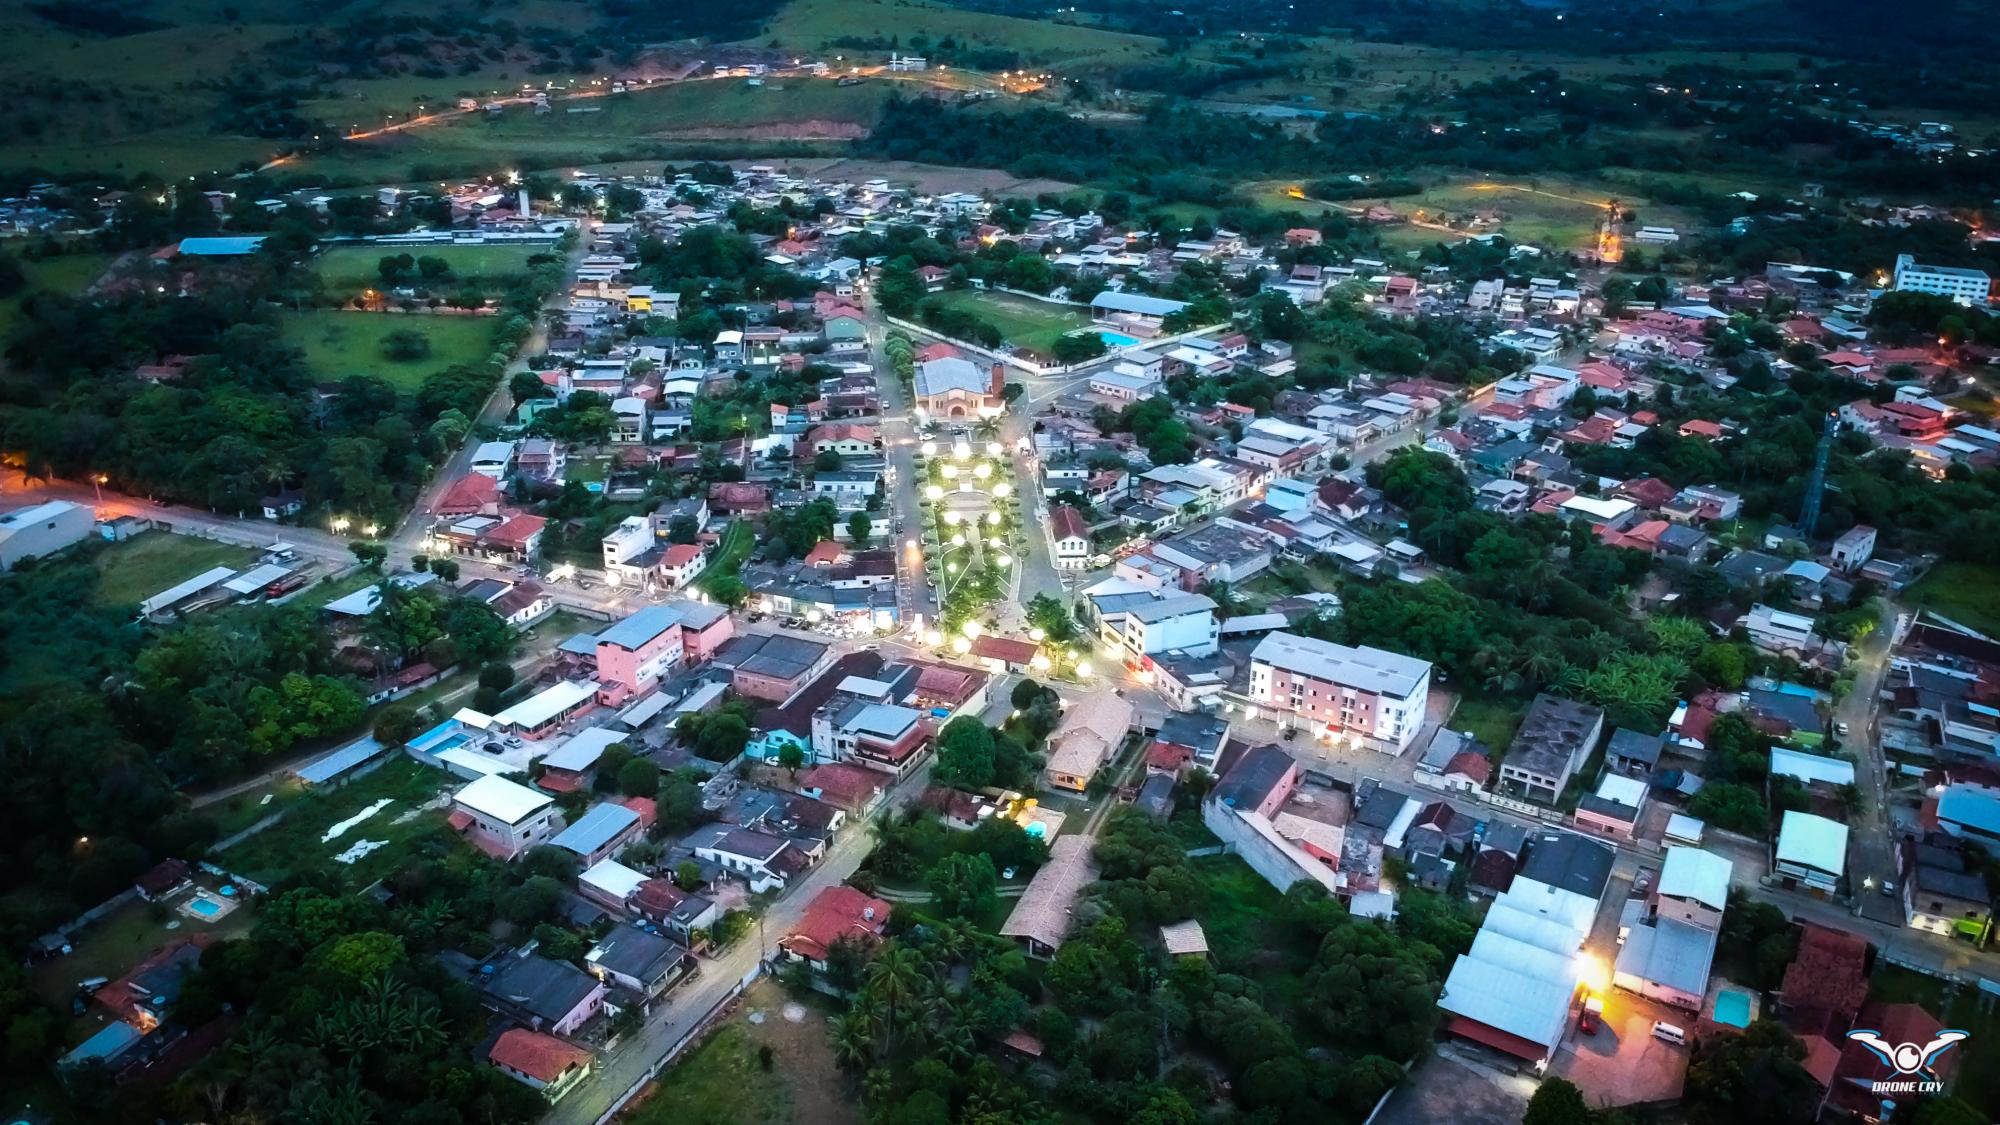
pixel 1068 523
pixel 1005 648
pixel 1472 764
pixel 836 913
pixel 1826 981
pixel 826 552
pixel 848 786
pixel 468 493
pixel 1859 1066
pixel 517 529
pixel 647 808
pixel 541 1057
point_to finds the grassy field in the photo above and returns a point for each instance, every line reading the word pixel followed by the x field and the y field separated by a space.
pixel 1978 1080
pixel 811 25
pixel 1034 325
pixel 1240 922
pixel 1378 74
pixel 295 843
pixel 724 1081
pixel 640 124
pixel 339 344
pixel 1968 593
pixel 69 273
pixel 1491 721
pixel 136 569
pixel 350 269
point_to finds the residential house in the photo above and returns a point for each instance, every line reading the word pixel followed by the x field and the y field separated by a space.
pixel 539 1061
pixel 1042 916
pixel 835 915
pixel 644 964
pixel 1811 853
pixel 552 996
pixel 501 818
pixel 1092 727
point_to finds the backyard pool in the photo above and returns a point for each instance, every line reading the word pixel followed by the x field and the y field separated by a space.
pixel 1732 1008
pixel 1116 339
pixel 207 908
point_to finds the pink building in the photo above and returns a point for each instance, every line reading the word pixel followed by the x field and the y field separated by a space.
pixel 639 651
pixel 1333 690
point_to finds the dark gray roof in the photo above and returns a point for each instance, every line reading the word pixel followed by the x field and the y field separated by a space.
pixel 547 989
pixel 1552 735
pixel 632 952
pixel 1193 728
pixel 1797 711
pixel 1746 567
pixel 1253 777
pixel 1381 807
pixel 1630 744
pixel 1567 861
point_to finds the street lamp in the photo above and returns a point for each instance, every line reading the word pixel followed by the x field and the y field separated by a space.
pixel 934 493
pixel 340 525
pixel 97 485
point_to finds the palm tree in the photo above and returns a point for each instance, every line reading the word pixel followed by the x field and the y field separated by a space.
pixel 894 988
pixel 849 1037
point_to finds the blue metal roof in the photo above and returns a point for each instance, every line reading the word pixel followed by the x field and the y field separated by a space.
pixel 595 828
pixel 222 246
pixel 340 761
pixel 641 627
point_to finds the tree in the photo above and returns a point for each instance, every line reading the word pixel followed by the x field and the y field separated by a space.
pixel 1557 1101
pixel 405 345
pixel 369 555
pixel 965 754
pixel 365 957
pixel 963 886
pixel 792 756
pixel 1078 347
pixel 639 778
pixel 1755 1076
pixel 1026 694
pixel 859 527
pixel 445 569
pixel 826 461
pixel 1052 617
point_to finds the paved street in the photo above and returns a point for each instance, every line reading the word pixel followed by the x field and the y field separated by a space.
pixel 618 1071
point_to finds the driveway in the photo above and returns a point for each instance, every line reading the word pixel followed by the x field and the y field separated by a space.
pixel 1623 1063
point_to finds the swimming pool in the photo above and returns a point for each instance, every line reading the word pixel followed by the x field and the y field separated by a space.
pixel 1732 1009
pixel 1116 339
pixel 206 907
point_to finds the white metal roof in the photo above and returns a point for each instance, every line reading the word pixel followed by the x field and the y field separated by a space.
pixel 1598 509
pixel 581 750
pixel 1700 875
pixel 613 878
pixel 546 704
pixel 1811 767
pixel 1813 841
pixel 1629 791
pixel 502 800
pixel 185 590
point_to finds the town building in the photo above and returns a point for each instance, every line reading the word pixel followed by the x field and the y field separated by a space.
pixel 1367 695
pixel 501 818
pixel 1966 286
pixel 1555 737
pixel 42 529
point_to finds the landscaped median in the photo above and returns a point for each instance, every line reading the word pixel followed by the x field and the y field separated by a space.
pixel 973 537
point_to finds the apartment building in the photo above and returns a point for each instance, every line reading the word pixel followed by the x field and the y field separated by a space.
pixel 1366 694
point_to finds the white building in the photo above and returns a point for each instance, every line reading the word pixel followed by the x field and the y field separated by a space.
pixel 1812 852
pixel 42 529
pixel 502 818
pixel 1157 621
pixel 493 459
pixel 1967 287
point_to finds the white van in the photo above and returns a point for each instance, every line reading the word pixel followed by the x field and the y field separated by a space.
pixel 1670 1033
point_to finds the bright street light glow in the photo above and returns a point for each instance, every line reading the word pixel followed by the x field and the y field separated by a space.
pixel 973 629
pixel 1006 561
pixel 934 492
pixel 1002 490
pixel 1083 669
pixel 982 470
pixel 1036 635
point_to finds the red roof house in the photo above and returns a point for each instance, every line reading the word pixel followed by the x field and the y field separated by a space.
pixel 834 914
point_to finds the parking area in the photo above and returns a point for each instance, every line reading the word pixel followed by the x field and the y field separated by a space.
pixel 1447 1087
pixel 1623 1063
